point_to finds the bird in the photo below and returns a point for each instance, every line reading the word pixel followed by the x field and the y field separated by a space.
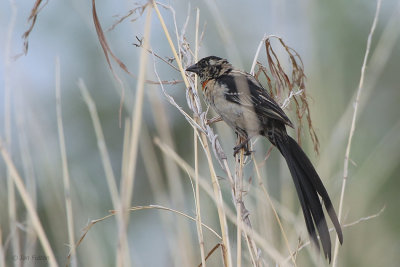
pixel 246 106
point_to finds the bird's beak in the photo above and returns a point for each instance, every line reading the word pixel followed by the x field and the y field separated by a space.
pixel 194 68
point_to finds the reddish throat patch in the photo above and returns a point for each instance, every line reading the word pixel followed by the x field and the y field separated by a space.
pixel 204 84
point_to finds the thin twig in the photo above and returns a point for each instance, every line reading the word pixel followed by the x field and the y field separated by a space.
pixel 140 44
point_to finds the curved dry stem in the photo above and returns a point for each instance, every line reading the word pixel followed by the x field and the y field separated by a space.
pixel 114 212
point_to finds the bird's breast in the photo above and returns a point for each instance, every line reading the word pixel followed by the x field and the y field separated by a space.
pixel 236 116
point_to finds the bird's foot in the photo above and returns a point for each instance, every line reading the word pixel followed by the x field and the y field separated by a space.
pixel 244 145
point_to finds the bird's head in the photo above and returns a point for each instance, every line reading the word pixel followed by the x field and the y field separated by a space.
pixel 210 68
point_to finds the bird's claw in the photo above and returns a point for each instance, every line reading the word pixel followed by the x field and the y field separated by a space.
pixel 237 148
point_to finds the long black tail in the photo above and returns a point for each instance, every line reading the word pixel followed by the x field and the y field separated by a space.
pixel 309 186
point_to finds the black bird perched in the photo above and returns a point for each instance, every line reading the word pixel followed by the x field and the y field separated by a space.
pixel 241 101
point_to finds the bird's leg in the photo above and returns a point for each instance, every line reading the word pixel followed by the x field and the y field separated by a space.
pixel 244 144
pixel 213 120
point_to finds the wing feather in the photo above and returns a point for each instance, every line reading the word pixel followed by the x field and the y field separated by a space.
pixel 245 90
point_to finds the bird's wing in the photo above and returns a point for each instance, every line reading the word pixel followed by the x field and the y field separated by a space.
pixel 245 90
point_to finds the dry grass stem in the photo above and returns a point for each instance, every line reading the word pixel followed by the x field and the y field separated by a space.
pixel 353 125
pixel 217 190
pixel 64 161
pixel 238 186
pixel 127 181
pixel 261 184
pixel 101 144
pixel 210 253
pixel 196 158
pixel 259 240
pixel 28 166
pixel 242 212
pixel 106 162
pixel 379 59
pixel 174 179
pixel 159 207
pixel 362 219
pixel 136 208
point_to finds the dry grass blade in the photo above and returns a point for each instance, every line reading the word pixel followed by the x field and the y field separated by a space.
pixel 105 158
pixel 103 41
pixel 127 181
pixel 353 123
pixel 107 50
pixel 101 144
pixel 29 205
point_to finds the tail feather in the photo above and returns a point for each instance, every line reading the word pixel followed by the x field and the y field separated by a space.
pixel 309 186
pixel 306 164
